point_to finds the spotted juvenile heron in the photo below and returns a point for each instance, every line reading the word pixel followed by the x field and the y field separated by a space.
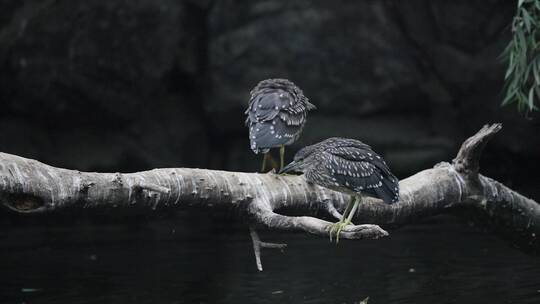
pixel 348 166
pixel 276 116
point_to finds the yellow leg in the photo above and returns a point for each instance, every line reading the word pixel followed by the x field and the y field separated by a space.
pixel 348 208
pixel 263 168
pixel 346 219
pixel 281 157
pixel 353 210
pixel 335 227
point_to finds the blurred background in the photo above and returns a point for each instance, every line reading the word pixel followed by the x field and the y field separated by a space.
pixel 132 85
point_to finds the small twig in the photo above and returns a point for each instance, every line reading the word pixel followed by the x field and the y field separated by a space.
pixel 331 209
pixel 258 244
pixel 312 225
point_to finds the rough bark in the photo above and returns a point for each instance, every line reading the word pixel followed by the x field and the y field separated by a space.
pixel 28 186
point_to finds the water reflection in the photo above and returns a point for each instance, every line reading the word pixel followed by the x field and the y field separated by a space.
pixel 440 261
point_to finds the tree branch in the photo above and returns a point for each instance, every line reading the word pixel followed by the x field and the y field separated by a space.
pixel 258 244
pixel 263 213
pixel 468 159
pixel 28 186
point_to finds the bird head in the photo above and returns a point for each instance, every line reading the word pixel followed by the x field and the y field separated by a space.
pixel 303 159
pixel 285 87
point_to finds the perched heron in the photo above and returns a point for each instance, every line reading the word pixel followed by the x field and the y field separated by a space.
pixel 276 116
pixel 348 166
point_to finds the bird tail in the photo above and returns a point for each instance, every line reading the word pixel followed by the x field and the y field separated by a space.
pixel 389 192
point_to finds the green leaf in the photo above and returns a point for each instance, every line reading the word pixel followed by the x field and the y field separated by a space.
pixel 510 98
pixel 537 92
pixel 536 73
pixel 528 20
pixel 531 98
pixel 523 100
pixel 522 42
pixel 528 72
pixel 522 56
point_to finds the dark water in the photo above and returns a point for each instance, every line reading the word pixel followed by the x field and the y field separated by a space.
pixel 438 261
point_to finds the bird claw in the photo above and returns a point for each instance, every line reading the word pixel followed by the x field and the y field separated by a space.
pixel 337 228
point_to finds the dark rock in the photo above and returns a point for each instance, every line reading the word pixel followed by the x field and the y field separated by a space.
pixel 106 80
pixel 346 56
pixel 127 85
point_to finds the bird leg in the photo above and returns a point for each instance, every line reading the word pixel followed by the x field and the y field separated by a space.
pixel 348 208
pixel 281 157
pixel 268 162
pixel 335 227
pixel 348 214
pixel 352 212
pixel 263 167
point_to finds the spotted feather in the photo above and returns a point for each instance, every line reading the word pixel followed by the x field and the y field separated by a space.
pixel 276 114
pixel 350 166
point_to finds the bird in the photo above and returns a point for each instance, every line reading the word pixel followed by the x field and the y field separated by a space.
pixel 276 115
pixel 348 166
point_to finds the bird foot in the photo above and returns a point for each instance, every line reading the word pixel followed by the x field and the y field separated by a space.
pixel 336 229
pixel 272 171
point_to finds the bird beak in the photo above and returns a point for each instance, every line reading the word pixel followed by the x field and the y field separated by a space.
pixel 292 166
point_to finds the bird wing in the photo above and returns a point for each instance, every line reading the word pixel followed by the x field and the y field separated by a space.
pixel 354 175
pixel 270 103
pixel 362 170
pixel 266 128
pixel 266 106
pixel 355 150
pixel 295 111
pixel 264 135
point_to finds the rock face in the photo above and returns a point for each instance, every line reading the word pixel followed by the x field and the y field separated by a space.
pixel 102 84
pixel 126 85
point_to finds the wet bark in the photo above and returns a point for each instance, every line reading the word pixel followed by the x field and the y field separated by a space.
pixel 28 186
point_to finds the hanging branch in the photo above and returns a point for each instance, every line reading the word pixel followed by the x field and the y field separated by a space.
pixel 522 55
